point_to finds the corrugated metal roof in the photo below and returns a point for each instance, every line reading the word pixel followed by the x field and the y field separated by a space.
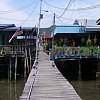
pixel 48 30
pixel 93 28
pixel 69 29
pixel 3 26
pixel 16 28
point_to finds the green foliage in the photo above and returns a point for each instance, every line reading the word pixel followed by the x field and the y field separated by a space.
pixel 84 51
pixel 83 40
pixel 89 42
pixel 59 49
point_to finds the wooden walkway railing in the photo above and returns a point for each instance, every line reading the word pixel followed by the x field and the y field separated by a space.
pixel 14 52
pixel 45 82
pixel 11 49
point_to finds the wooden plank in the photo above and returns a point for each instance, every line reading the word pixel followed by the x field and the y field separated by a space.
pixel 49 83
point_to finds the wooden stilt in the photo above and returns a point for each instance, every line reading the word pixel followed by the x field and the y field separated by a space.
pixel 8 70
pixel 10 67
pixel 79 76
pixel 15 91
pixel 27 63
pixel 30 58
pixel 25 67
pixel 10 90
pixel 16 66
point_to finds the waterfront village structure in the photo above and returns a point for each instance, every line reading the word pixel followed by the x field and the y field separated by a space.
pixel 16 57
pixel 76 50
pixel 62 38
pixel 76 36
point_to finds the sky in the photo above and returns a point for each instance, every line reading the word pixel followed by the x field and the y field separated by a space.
pixel 25 13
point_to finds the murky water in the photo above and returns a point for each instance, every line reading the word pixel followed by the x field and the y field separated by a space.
pixel 10 90
pixel 88 90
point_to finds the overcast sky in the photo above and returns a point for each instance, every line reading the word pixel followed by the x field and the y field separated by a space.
pixel 26 12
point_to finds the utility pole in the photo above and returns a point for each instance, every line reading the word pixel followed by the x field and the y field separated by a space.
pixel 54 19
pixel 53 31
pixel 37 39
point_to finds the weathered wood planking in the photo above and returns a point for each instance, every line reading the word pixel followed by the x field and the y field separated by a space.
pixel 49 84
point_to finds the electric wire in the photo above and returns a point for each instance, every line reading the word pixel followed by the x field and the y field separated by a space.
pixel 72 12
pixel 30 13
pixel 77 9
pixel 69 4
pixel 22 19
pixel 15 19
pixel 52 5
pixel 87 8
pixel 60 20
pixel 50 11
pixel 56 15
pixel 18 9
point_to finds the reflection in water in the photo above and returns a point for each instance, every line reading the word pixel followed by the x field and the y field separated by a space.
pixel 88 90
pixel 11 90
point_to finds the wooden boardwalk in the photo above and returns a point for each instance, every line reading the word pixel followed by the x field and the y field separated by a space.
pixel 45 82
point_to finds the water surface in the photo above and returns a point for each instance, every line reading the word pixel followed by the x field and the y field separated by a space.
pixel 11 90
pixel 88 90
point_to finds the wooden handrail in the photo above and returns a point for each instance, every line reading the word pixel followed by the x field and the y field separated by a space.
pixel 10 49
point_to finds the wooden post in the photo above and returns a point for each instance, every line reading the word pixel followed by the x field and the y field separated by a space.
pixel 15 91
pixel 10 90
pixel 27 62
pixel 10 67
pixel 79 76
pixel 25 67
pixel 16 66
pixel 26 58
pixel 30 59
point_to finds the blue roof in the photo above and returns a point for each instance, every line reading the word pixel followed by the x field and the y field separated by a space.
pixel 69 29
pixel 93 28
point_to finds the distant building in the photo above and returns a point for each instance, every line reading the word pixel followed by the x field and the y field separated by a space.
pixel 7 30
pixel 76 22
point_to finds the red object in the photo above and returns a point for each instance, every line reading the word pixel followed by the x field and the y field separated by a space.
pixel 75 49
pixel 46 36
